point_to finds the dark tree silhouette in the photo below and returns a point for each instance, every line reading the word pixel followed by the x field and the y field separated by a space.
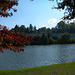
pixel 69 6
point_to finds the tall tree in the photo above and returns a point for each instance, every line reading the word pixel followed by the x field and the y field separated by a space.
pixel 61 26
pixel 22 29
pixel 35 30
pixel 16 28
pixel 27 30
pixel 31 28
pixel 44 39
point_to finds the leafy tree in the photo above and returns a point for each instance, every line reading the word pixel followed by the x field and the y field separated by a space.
pixel 48 30
pixel 72 40
pixel 27 30
pixel 52 41
pixel 16 28
pixel 64 38
pixel 35 30
pixel 6 6
pixel 61 26
pixel 44 39
pixel 22 29
pixel 72 28
pixel 69 6
pixel 42 30
pixel 8 38
pixel 31 28
pixel 11 40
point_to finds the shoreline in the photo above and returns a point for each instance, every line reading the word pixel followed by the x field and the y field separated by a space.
pixel 54 69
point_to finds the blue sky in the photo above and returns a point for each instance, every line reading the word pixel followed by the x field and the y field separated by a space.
pixel 39 13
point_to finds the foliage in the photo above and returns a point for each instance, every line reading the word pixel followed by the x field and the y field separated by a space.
pixel 55 69
pixel 69 6
pixel 6 6
pixel 52 41
pixel 8 38
pixel 63 27
pixel 22 29
pixel 64 38
pixel 16 28
pixel 31 28
pixel 72 40
pixel 11 40
pixel 44 39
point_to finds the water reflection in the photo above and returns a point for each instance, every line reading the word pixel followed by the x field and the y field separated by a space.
pixel 65 53
pixel 37 56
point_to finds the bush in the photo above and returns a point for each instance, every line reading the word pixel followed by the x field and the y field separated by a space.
pixel 52 41
pixel 64 38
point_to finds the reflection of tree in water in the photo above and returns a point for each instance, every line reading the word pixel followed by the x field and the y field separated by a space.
pixel 64 54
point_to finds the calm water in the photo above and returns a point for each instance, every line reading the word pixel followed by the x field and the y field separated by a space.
pixel 37 56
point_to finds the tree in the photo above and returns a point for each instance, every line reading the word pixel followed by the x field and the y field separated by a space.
pixel 35 30
pixel 44 39
pixel 16 28
pixel 27 30
pixel 6 6
pixel 61 26
pixel 31 28
pixel 11 40
pixel 22 29
pixel 8 38
pixel 52 41
pixel 69 6
pixel 64 38
pixel 42 30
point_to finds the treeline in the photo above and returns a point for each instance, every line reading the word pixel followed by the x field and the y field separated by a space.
pixel 23 29
pixel 66 29
pixel 61 27
pixel 64 38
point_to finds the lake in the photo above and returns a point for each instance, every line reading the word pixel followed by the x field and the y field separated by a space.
pixel 37 56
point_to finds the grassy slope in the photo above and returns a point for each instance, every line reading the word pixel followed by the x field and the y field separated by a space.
pixel 56 69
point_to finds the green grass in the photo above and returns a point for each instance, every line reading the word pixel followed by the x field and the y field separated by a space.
pixel 55 69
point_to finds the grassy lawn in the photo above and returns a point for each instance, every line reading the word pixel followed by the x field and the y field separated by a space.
pixel 55 69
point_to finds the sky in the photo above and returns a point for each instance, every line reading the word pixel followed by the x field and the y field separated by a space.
pixel 39 13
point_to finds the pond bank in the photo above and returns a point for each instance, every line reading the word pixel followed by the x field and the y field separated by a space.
pixel 55 69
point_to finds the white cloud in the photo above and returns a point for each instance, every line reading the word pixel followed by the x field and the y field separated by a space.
pixel 51 21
